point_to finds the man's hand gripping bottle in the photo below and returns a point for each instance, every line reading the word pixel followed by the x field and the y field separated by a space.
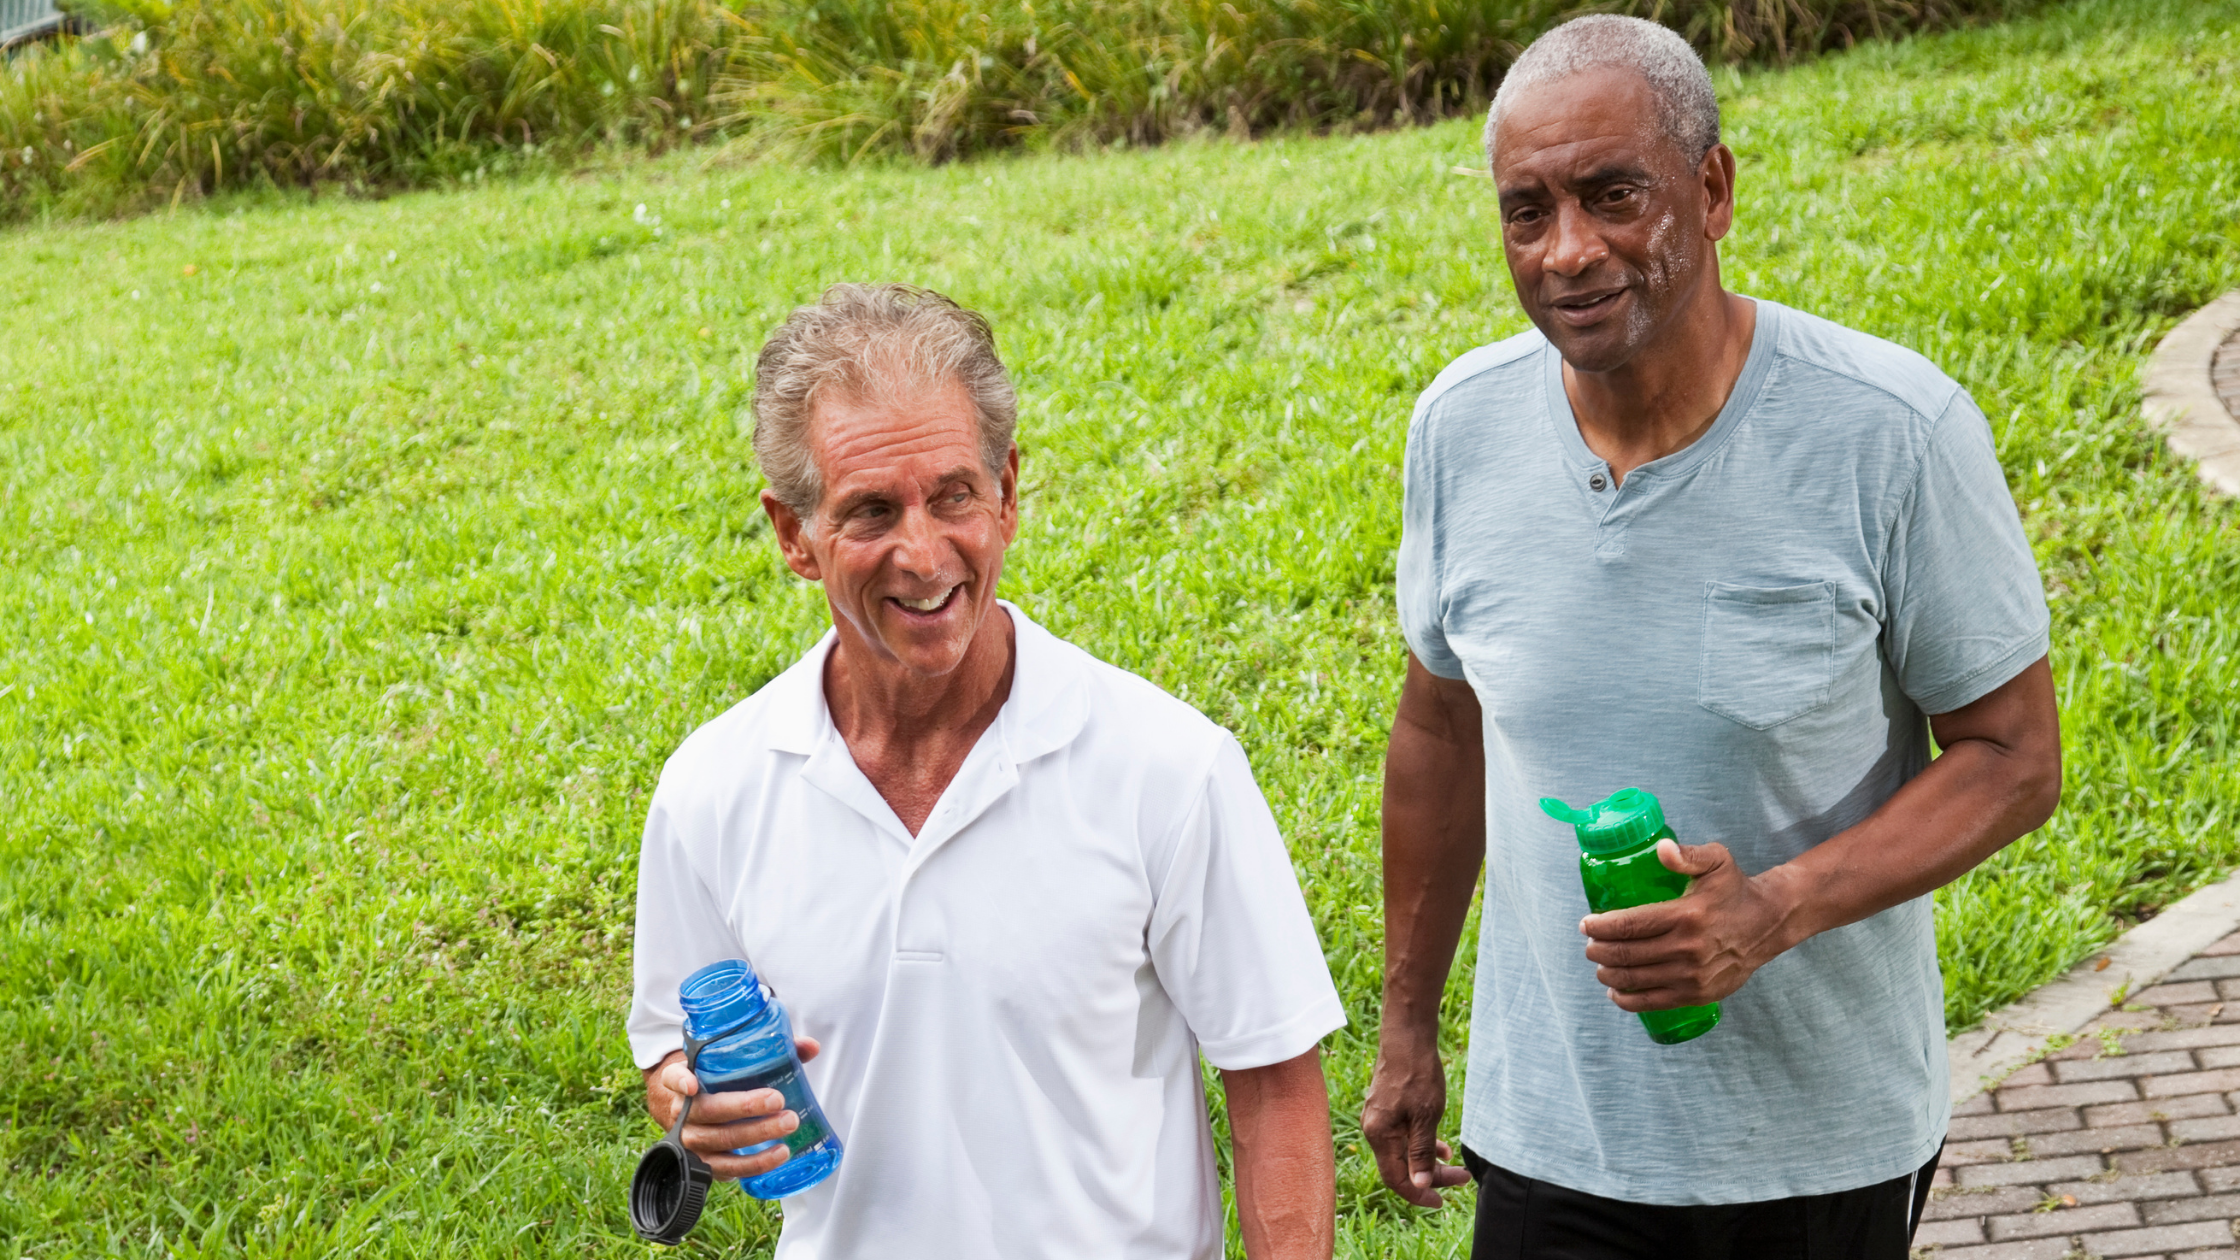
pixel 1618 864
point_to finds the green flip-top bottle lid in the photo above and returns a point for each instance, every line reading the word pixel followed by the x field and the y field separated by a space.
pixel 1624 820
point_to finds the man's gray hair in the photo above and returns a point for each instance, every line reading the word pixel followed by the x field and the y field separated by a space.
pixel 1688 107
pixel 866 341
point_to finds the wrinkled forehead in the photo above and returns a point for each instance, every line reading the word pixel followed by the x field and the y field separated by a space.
pixel 1560 128
pixel 896 426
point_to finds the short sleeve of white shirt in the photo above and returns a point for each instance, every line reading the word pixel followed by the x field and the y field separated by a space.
pixel 680 929
pixel 1230 936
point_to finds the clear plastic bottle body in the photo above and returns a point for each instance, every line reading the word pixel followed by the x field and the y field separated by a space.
pixel 759 1054
pixel 1634 877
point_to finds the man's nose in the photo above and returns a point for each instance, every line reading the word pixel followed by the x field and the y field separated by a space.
pixel 1576 244
pixel 918 546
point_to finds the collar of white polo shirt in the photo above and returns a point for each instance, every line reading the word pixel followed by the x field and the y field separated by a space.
pixel 1046 709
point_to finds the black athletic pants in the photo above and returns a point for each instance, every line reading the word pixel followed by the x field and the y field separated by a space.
pixel 1523 1219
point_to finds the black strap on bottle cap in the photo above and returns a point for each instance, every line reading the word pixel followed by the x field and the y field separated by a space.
pixel 671 1184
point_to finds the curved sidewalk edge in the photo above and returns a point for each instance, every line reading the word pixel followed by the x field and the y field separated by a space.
pixel 2181 399
pixel 2015 1035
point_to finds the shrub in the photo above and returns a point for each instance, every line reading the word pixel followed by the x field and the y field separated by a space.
pixel 941 78
pixel 218 93
pixel 168 102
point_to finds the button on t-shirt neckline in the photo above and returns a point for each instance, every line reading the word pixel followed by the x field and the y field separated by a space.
pixel 1565 423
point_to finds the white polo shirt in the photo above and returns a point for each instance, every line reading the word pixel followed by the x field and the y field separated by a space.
pixel 1012 1003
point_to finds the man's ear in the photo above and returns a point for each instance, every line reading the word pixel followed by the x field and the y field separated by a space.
pixel 1010 487
pixel 793 542
pixel 1718 174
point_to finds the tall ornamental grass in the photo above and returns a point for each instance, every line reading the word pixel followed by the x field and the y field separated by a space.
pixel 228 93
pixel 172 101
pixel 944 78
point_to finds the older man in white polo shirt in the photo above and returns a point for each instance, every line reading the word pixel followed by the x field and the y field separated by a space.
pixel 1008 893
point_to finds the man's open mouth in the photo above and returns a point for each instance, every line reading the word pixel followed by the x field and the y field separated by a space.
pixel 930 604
pixel 1586 306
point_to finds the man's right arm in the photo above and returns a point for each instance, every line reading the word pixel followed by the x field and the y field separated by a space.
pixel 1434 846
pixel 680 927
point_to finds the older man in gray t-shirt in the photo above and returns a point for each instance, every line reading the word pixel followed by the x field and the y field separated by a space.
pixel 1747 560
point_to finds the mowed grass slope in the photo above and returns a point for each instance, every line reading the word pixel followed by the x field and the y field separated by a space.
pixel 361 561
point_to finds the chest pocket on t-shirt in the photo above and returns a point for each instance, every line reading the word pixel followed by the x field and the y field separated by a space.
pixel 1768 651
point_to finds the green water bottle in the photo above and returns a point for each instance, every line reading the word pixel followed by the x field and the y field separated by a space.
pixel 1618 864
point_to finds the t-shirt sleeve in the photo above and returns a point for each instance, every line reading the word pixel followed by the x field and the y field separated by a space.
pixel 1230 937
pixel 1967 609
pixel 1422 606
pixel 679 930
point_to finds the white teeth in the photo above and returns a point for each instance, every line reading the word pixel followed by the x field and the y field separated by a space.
pixel 928 605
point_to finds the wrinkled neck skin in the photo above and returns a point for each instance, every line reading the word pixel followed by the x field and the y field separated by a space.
pixel 1670 391
pixel 901 724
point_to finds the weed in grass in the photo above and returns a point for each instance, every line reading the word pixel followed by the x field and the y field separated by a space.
pixel 358 581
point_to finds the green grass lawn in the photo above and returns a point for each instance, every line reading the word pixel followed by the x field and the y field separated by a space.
pixel 360 561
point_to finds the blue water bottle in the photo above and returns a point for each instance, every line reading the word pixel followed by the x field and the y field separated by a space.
pixel 747 1043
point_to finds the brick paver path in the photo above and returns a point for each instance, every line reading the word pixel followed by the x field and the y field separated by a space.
pixel 2124 1144
pixel 2224 373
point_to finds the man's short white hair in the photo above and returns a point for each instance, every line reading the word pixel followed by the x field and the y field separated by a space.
pixel 865 339
pixel 1689 109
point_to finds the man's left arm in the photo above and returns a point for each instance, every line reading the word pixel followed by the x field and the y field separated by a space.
pixel 1998 778
pixel 1235 949
pixel 1279 1130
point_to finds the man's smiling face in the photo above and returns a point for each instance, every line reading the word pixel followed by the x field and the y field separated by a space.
pixel 910 535
pixel 1604 220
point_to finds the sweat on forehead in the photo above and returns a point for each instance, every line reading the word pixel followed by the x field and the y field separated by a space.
pixel 1687 108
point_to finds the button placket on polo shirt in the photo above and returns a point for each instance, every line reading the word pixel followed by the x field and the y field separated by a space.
pixel 988 774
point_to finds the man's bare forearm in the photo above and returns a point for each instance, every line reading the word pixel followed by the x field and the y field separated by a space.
pixel 1279 1126
pixel 1434 843
pixel 1997 778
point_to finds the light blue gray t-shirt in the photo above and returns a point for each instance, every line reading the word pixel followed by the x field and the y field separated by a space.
pixel 1751 628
